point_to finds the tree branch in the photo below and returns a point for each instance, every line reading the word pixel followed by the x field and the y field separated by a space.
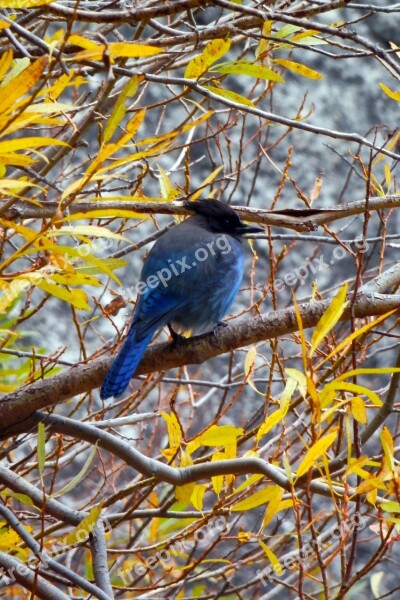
pixel 17 407
pixel 297 219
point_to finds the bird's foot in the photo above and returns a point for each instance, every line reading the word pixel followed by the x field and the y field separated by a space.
pixel 220 324
pixel 176 337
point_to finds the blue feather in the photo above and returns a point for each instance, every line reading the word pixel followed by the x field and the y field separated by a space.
pixel 190 280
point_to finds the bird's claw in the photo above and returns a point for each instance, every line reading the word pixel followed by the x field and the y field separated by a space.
pixel 176 337
pixel 220 324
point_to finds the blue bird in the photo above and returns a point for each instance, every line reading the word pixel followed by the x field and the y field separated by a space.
pixel 188 282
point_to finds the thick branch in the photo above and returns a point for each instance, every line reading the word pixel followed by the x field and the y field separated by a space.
pixel 173 475
pixel 300 220
pixel 18 406
pixel 26 577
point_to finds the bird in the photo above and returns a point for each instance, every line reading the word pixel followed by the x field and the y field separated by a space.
pixel 188 282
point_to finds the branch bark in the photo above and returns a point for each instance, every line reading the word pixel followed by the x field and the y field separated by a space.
pixel 17 407
pixel 297 219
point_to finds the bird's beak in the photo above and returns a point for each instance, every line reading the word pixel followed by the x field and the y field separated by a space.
pixel 250 229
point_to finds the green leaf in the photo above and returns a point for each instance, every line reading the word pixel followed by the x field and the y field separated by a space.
pixel 41 451
pixel 75 480
pixel 119 109
pixel 246 68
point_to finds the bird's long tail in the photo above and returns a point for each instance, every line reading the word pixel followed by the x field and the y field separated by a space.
pixel 124 365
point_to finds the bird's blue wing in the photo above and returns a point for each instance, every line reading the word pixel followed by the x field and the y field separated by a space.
pixel 153 310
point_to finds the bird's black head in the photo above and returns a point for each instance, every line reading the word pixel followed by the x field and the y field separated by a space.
pixel 221 218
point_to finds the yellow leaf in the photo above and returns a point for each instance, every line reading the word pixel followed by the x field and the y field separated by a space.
pixel 132 50
pixel 25 143
pixel 17 184
pixel 183 493
pixel 356 334
pixel 198 495
pixel 329 319
pixel 270 422
pixel 5 62
pixel 273 505
pixel 216 435
pixel 272 558
pixel 41 450
pixel 48 108
pixel 370 484
pixel 107 213
pixel 211 53
pixel 174 430
pixel 300 379
pixel 117 49
pixel 85 230
pixel 176 132
pixel 17 160
pixel 357 463
pixel 19 65
pixel 135 122
pixel 287 394
pixel 298 68
pixel 315 452
pixel 72 279
pixel 82 42
pixel 77 298
pixel 368 371
pixel 249 481
pixel 250 360
pixel 154 151
pixel 285 504
pixel 245 536
pixel 264 45
pixel 261 497
pixel 306 36
pixel 358 410
pixel 299 320
pixel 388 176
pixel 207 180
pixel 388 92
pixel 23 3
pixel 168 191
pixel 84 528
pixel 388 447
pixel 233 96
pixel 110 263
pixel 334 386
pixel 22 83
pixel 246 68
pixel 218 481
pixel 230 452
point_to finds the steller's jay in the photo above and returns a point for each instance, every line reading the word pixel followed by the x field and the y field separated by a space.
pixel 188 282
